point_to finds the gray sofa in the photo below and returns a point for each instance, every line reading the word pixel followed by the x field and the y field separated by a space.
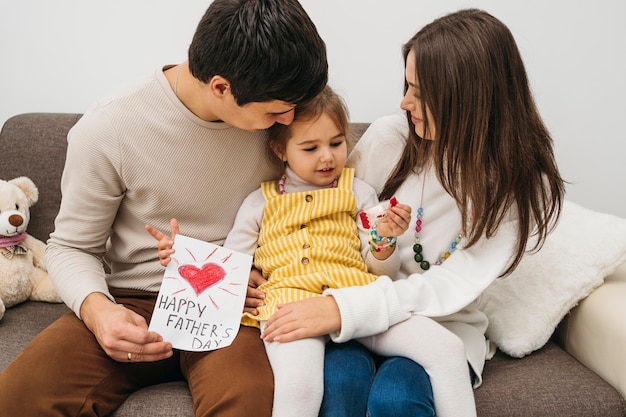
pixel 550 382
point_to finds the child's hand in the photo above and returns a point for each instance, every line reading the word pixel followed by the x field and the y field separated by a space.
pixel 165 242
pixel 254 296
pixel 396 221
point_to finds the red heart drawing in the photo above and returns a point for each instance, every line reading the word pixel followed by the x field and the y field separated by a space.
pixel 202 278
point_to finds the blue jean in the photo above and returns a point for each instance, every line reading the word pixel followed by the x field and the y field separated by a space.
pixel 358 383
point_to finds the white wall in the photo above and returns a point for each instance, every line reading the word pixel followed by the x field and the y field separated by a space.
pixel 59 56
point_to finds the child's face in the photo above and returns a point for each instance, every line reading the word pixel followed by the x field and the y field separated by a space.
pixel 317 150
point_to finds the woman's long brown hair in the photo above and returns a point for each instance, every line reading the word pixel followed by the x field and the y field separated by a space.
pixel 492 152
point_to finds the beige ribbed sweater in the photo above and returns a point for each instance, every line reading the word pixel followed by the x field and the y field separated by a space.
pixel 141 157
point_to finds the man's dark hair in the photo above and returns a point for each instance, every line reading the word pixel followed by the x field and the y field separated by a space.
pixel 267 50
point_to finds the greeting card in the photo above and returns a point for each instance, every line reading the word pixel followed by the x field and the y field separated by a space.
pixel 202 295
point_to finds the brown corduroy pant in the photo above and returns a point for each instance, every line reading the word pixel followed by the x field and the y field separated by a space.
pixel 65 372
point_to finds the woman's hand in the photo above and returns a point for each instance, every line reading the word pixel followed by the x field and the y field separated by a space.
pixel 254 296
pixel 166 243
pixel 311 317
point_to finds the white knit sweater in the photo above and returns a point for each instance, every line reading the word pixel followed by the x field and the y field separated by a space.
pixel 448 292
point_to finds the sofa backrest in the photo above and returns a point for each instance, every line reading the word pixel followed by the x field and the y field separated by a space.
pixel 34 145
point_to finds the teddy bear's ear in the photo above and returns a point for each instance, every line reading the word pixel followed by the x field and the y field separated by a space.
pixel 28 187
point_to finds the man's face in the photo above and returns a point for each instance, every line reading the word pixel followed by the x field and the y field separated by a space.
pixel 256 116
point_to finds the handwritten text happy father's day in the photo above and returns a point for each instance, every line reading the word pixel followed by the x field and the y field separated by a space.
pixel 201 297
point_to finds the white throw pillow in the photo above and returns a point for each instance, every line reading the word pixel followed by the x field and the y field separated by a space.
pixel 525 307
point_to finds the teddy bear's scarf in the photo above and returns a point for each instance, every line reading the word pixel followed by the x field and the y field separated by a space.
pixel 12 240
pixel 11 245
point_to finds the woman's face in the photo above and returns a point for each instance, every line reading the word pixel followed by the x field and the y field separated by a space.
pixel 412 102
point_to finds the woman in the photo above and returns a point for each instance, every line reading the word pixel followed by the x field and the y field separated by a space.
pixel 475 161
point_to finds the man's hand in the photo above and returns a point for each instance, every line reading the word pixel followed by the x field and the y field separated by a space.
pixel 311 317
pixel 254 296
pixel 122 333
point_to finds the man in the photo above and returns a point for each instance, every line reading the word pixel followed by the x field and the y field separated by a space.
pixel 187 141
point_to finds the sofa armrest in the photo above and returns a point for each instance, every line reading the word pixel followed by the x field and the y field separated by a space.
pixel 594 331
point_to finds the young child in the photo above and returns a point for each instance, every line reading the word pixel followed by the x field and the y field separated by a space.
pixel 305 238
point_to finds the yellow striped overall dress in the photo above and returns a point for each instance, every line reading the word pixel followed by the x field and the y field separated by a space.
pixel 308 242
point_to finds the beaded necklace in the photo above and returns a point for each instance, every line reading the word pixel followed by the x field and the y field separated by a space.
pixel 281 184
pixel 417 246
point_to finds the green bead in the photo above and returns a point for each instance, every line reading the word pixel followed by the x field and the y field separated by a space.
pixel 418 257
pixel 425 265
pixel 417 248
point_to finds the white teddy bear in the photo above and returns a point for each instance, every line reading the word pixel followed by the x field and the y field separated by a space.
pixel 23 273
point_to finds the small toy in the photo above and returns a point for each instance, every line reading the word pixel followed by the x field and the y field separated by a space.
pixel 23 272
pixel 370 217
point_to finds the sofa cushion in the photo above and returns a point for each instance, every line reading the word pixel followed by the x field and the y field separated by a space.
pixel 594 331
pixel 171 399
pixel 22 323
pixel 525 307
pixel 549 382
